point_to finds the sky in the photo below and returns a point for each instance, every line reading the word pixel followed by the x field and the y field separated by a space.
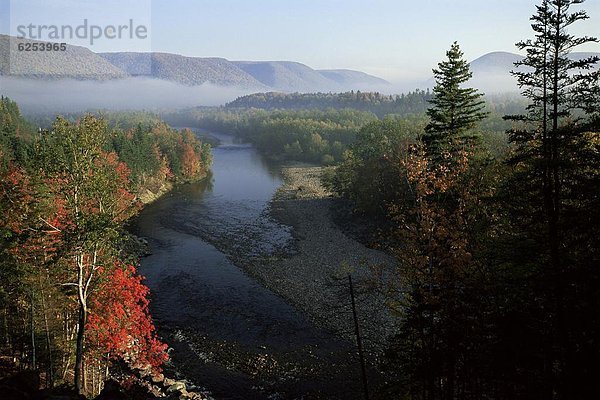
pixel 394 39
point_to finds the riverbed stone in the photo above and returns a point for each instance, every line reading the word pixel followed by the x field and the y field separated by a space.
pixel 176 387
pixel 168 382
pixel 314 277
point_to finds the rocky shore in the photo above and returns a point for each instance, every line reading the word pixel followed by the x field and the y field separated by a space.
pixel 314 277
pixel 150 194
pixel 18 384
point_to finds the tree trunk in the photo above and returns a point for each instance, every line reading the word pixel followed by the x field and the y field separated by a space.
pixel 6 334
pixel 79 349
pixel 48 344
pixel 32 327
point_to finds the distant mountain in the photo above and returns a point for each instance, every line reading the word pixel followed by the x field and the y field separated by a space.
pixel 348 78
pixel 581 55
pixel 74 62
pixel 491 72
pixel 291 76
pixel 500 61
pixel 287 76
pixel 189 71
pixel 81 63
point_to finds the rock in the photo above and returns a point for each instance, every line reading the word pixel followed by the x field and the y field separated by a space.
pixel 168 382
pixel 176 387
pixel 156 392
pixel 184 395
pixel 313 276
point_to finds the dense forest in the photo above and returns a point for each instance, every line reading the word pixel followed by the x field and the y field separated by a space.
pixel 319 128
pixel 497 287
pixel 72 303
pixel 318 136
pixel 379 104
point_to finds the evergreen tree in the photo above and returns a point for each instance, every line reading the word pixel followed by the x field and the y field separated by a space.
pixel 552 198
pixel 455 110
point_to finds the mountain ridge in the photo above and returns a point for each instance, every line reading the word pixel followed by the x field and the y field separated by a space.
pixel 491 71
pixel 81 63
pixel 75 62
pixel 191 71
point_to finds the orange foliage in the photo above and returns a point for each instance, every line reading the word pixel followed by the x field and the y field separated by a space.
pixel 190 161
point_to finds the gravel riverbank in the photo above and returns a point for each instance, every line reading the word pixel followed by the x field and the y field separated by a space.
pixel 314 277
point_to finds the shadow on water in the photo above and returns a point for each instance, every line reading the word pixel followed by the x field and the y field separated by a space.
pixel 230 334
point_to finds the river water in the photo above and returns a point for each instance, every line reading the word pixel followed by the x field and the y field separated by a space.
pixel 229 334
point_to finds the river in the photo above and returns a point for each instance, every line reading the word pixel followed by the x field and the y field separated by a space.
pixel 229 334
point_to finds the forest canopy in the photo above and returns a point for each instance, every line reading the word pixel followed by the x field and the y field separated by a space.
pixel 73 304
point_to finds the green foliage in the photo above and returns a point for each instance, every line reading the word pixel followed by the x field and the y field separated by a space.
pixel 126 120
pixel 118 120
pixel 379 104
pixel 305 135
pixel 281 125
pixel 497 285
pixel 137 149
pixel 15 133
pixel 368 176
pixel 455 110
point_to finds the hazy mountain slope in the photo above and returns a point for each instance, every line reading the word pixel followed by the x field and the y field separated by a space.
pixel 185 70
pixel 581 55
pixel 349 78
pixel 75 62
pixel 81 63
pixel 500 61
pixel 491 72
pixel 287 76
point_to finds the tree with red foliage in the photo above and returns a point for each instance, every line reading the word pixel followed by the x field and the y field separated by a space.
pixel 61 252
pixel 31 228
pixel 120 325
pixel 94 187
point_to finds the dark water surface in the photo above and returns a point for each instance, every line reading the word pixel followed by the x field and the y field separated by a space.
pixel 231 335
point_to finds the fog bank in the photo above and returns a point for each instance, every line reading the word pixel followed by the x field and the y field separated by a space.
pixel 66 95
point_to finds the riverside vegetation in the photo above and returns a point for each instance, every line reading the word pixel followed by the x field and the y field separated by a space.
pixel 319 128
pixel 73 306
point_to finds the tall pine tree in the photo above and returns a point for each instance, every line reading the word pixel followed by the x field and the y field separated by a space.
pixel 553 198
pixel 455 110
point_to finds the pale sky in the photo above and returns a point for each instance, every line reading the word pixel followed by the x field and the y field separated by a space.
pixel 395 39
